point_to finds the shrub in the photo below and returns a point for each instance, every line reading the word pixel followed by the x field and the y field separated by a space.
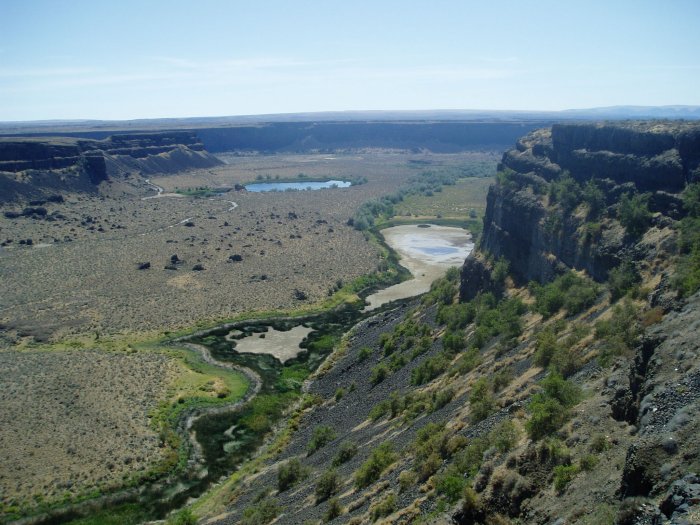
pixel 550 407
pixel 467 361
pixel 379 410
pixel 453 342
pixel 594 197
pixel 621 279
pixel 471 504
pixel 565 191
pixel 500 270
pixel 546 346
pixel 502 379
pixel 633 213
pixel 184 517
pixel 334 510
pixel 370 471
pixel 620 332
pixel 261 513
pixel 442 398
pixel 429 369
pixel 290 474
pixel 406 480
pixel 339 394
pixel 563 475
pixel 364 353
pixel 327 485
pixel 568 290
pixel 505 436
pixel 481 400
pixel 323 434
pixel 599 443
pixel 588 462
pixel 379 373
pixel 384 507
pixel 346 452
pixel 687 279
pixel 451 486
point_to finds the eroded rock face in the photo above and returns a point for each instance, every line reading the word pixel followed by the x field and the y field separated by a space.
pixel 62 163
pixel 540 240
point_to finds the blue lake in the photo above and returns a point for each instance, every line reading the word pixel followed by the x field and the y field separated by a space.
pixel 259 187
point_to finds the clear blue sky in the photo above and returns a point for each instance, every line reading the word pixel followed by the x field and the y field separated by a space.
pixel 74 59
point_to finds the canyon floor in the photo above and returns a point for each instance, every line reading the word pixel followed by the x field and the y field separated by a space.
pixel 101 272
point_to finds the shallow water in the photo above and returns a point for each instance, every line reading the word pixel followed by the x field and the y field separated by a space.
pixel 260 187
pixel 427 253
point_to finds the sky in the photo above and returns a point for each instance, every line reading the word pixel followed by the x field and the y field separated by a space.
pixel 129 59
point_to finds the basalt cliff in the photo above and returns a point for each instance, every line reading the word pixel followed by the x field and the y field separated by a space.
pixel 33 167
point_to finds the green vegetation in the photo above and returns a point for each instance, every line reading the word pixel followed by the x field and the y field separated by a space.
pixel 291 473
pixel 500 270
pixel 619 333
pixel 467 197
pixel 346 451
pixel 364 353
pixel 371 470
pixel 379 373
pixel 322 435
pixel 261 512
pixel 184 517
pixel 554 353
pixel 687 280
pixel 505 436
pixel 334 510
pixel 633 213
pixel 565 191
pixel 622 279
pixel 384 507
pixel 414 194
pixel 327 485
pixel 128 514
pixel 201 192
pixel 551 407
pixel 568 291
pixel 481 400
pixel 563 475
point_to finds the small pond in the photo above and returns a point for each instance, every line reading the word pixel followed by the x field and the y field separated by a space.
pixel 260 187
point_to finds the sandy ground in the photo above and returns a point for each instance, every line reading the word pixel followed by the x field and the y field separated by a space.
pixel 282 345
pixel 427 253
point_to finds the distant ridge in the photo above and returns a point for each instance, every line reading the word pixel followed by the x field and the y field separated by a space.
pixel 458 115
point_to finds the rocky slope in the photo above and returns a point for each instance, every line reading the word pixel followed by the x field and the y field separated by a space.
pixel 574 400
pixel 33 167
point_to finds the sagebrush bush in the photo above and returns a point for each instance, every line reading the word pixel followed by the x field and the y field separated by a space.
pixel 322 435
pixel 346 451
pixel 371 470
pixel 550 408
pixel 290 474
pixel 327 485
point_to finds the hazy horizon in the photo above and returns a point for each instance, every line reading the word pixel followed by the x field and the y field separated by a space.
pixel 82 60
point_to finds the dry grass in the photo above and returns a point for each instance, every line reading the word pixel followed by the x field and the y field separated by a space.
pixel 75 421
pixel 296 240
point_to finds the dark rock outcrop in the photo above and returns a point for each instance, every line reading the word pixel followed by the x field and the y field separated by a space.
pixel 53 164
pixel 541 239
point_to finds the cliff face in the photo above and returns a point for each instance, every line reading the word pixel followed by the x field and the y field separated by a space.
pixel 541 234
pixel 29 164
